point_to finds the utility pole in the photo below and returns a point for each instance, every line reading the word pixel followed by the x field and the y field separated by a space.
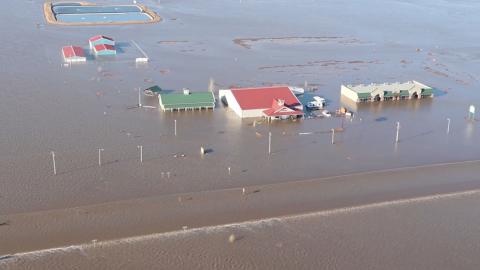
pixel 175 128
pixel 139 98
pixel 448 125
pixel 398 130
pixel 141 152
pixel 100 150
pixel 269 142
pixel 53 160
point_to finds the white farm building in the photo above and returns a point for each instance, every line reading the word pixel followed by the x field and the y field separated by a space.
pixel 274 102
pixel 386 91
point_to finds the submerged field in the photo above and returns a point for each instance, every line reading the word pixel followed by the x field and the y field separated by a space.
pixel 76 109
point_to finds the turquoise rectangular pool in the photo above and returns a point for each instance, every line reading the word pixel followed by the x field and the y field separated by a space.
pixel 64 9
pixel 104 17
pixel 74 13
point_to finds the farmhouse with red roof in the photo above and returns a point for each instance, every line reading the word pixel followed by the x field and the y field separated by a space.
pixel 100 39
pixel 274 102
pixel 104 49
pixel 73 54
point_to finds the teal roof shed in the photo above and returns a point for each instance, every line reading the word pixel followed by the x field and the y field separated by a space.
pixel 186 100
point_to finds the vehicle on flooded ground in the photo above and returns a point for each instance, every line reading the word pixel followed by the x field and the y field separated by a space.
pixel 317 103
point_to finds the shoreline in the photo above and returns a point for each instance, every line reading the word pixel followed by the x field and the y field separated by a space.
pixel 170 213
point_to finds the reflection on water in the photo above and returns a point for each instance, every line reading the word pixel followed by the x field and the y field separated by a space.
pixel 413 105
pixel 470 129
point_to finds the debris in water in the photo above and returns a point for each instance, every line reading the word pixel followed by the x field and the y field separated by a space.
pixel 6 257
pixel 164 71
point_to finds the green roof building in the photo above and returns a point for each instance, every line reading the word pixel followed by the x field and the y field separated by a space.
pixel 386 91
pixel 186 100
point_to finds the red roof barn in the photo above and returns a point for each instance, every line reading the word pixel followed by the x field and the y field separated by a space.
pixel 104 49
pixel 100 39
pixel 271 102
pixel 73 54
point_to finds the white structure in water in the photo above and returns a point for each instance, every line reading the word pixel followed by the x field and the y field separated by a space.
pixel 271 102
pixel 386 91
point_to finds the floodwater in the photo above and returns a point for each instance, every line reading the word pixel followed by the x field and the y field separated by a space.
pixel 425 233
pixel 76 109
pixel 106 17
pixel 75 9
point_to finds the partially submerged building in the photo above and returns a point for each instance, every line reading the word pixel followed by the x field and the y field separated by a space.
pixel 186 101
pixel 386 91
pixel 73 54
pixel 104 49
pixel 275 102
pixel 100 39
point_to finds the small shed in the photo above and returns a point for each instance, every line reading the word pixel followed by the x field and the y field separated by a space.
pixel 73 54
pixel 186 100
pixel 104 49
pixel 100 39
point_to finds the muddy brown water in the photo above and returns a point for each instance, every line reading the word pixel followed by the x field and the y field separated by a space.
pixel 424 233
pixel 74 110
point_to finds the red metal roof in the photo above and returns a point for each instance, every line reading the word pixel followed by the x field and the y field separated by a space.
pixel 72 51
pixel 102 47
pixel 261 97
pixel 95 38
pixel 272 112
pixel 278 109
